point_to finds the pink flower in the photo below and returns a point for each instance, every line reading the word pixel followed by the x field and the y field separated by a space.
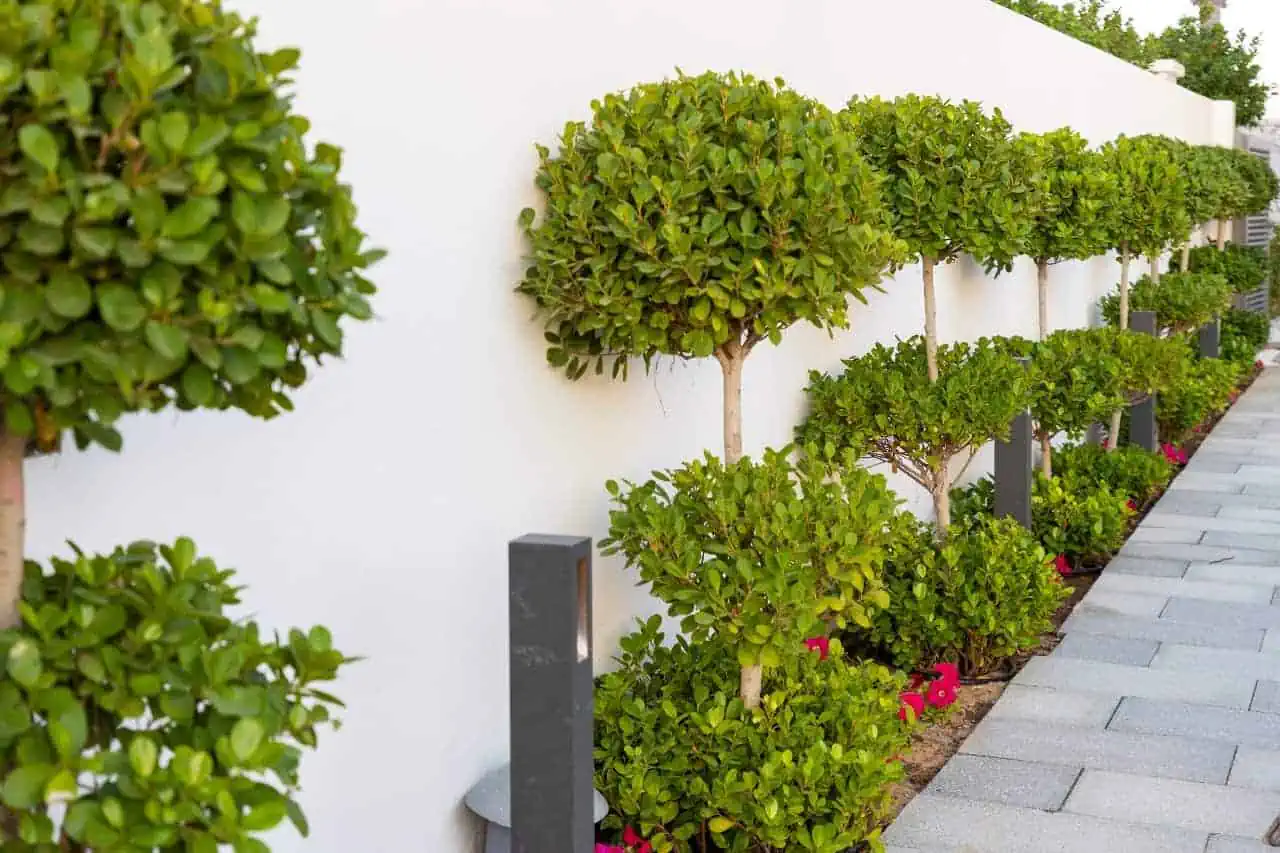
pixel 610 848
pixel 941 695
pixel 916 680
pixel 948 674
pixel 632 841
pixel 914 702
pixel 1176 455
pixel 1259 364
pixel 821 645
pixel 1132 505
pixel 1060 563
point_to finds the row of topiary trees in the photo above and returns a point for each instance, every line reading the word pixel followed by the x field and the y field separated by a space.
pixel 704 215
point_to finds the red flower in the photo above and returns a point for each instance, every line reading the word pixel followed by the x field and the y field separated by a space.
pixel 1259 364
pixel 916 680
pixel 1176 455
pixel 1060 563
pixel 948 673
pixel 821 645
pixel 1132 505
pixel 610 848
pixel 915 702
pixel 633 842
pixel 941 695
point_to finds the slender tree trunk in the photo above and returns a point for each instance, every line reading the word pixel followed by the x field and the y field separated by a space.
pixel 930 320
pixel 732 356
pixel 13 523
pixel 1155 269
pixel 1222 234
pixel 1186 256
pixel 1046 456
pixel 1042 289
pixel 1113 434
pixel 941 503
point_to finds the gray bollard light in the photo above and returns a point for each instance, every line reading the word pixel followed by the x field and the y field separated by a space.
pixel 551 695
pixel 1142 416
pixel 1013 469
pixel 1211 339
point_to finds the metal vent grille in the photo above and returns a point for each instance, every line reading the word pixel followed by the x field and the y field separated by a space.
pixel 1257 231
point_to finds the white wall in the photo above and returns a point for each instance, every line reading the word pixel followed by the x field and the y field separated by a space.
pixel 384 505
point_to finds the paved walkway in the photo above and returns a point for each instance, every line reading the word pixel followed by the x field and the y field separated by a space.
pixel 1155 726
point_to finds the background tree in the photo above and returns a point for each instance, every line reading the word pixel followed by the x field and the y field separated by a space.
pixel 1183 301
pixel 1150 212
pixel 957 184
pixel 698 217
pixel 1206 181
pixel 166 235
pixel 1263 185
pixel 1073 223
pixel 1234 195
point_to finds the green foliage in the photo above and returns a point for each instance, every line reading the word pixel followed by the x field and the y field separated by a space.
pixel 883 406
pixel 1182 300
pixel 1151 210
pixel 1244 333
pixel 1076 380
pixel 699 212
pixel 1245 267
pixel 985 595
pixel 1133 472
pixel 1204 390
pixel 1273 270
pixel 1077 516
pixel 680 758
pixel 1074 222
pixel 1218 66
pixel 1207 179
pixel 165 234
pixel 131 696
pixel 1091 22
pixel 757 553
pixel 1261 179
pixel 957 181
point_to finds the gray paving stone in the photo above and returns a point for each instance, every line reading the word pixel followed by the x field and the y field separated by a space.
pixel 1166 757
pixel 1199 553
pixel 1271 642
pixel 1124 650
pixel 1060 707
pixel 1188 535
pixel 1173 803
pixel 1162 630
pixel 1225 483
pixel 1180 719
pixel 1254 768
pixel 1128 603
pixel 1266 698
pixel 1231 844
pixel 1194 502
pixel 1263 474
pixel 1218 466
pixel 974 827
pixel 1001 780
pixel 1250 513
pixel 1223 613
pixel 1151 568
pixel 1191 659
pixel 1182 588
pixel 1209 688
pixel 1268 490
pixel 1234 571
pixel 1211 522
pixel 1229 539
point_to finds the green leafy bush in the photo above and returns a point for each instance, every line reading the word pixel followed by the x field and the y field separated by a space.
pixel 1182 301
pixel 1244 333
pixel 1091 22
pixel 1273 270
pixel 883 407
pixel 132 697
pixel 757 554
pixel 1077 516
pixel 1204 391
pixel 1133 472
pixel 986 594
pixel 679 757
pixel 1245 267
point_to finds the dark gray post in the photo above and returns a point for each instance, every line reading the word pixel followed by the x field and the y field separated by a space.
pixel 1211 339
pixel 1013 469
pixel 1142 416
pixel 551 708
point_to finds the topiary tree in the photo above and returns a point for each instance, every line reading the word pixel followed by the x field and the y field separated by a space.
pixel 886 407
pixel 1244 267
pixel 1237 194
pixel 757 554
pixel 957 184
pixel 1150 212
pixel 698 217
pixel 1182 302
pixel 1074 221
pixel 1206 181
pixel 1261 180
pixel 168 239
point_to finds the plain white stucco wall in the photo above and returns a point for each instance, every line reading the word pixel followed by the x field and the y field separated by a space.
pixel 383 506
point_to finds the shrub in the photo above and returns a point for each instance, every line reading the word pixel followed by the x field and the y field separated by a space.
pixel 1072 515
pixel 679 757
pixel 1217 66
pixel 884 407
pixel 757 554
pixel 1243 334
pixel 1133 472
pixel 1245 267
pixel 1273 270
pixel 1182 301
pixel 986 594
pixel 1204 391
pixel 698 217
pixel 132 697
